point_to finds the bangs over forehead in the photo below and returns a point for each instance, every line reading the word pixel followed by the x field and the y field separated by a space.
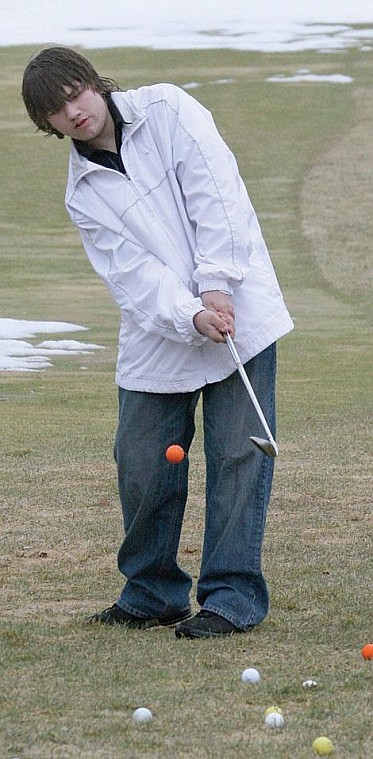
pixel 49 74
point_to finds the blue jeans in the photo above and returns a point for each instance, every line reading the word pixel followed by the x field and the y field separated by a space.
pixel 153 495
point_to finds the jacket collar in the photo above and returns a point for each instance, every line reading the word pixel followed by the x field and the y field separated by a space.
pixel 133 117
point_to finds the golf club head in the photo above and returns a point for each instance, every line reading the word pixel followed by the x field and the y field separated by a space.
pixel 265 445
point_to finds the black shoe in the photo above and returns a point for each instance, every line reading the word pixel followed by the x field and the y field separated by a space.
pixel 114 615
pixel 206 624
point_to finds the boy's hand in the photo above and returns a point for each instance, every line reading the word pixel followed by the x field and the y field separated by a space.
pixel 221 303
pixel 212 325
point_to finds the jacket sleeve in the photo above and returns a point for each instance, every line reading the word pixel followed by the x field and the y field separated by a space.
pixel 144 288
pixel 215 196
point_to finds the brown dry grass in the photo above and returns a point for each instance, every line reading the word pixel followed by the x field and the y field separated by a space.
pixel 339 188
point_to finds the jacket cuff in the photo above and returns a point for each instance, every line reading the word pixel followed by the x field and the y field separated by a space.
pixel 214 284
pixel 185 325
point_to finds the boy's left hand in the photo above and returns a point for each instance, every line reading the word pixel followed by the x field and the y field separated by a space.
pixel 211 324
pixel 221 303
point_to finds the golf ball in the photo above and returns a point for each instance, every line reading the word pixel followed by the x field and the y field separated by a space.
pixel 309 684
pixel 322 746
pixel 274 719
pixel 250 675
pixel 175 454
pixel 272 709
pixel 367 651
pixel 142 714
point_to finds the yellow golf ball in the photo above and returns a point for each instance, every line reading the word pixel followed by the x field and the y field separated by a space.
pixel 323 746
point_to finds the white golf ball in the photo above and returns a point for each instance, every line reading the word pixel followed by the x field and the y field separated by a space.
pixel 309 683
pixel 142 714
pixel 272 709
pixel 250 675
pixel 274 719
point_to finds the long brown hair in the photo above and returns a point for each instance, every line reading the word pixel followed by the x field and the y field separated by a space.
pixel 45 79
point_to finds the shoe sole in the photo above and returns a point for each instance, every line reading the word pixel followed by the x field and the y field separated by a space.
pixel 205 634
pixel 141 624
pixel 174 620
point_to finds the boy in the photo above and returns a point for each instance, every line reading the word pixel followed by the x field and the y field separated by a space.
pixel 166 222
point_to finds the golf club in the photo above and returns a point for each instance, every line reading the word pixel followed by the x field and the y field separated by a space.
pixel 267 446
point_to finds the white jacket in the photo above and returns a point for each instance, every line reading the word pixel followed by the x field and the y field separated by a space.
pixel 179 224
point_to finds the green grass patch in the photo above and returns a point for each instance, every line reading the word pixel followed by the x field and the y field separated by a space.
pixel 69 690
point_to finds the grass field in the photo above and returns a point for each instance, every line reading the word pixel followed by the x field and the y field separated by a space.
pixel 306 152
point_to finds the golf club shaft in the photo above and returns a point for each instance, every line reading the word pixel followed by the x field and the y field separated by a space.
pixel 249 388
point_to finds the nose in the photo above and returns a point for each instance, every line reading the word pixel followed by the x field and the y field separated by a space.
pixel 71 109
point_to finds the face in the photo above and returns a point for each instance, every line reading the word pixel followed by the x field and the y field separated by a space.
pixel 83 116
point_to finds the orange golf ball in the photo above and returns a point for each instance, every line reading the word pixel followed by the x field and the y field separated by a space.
pixel 175 454
pixel 367 651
